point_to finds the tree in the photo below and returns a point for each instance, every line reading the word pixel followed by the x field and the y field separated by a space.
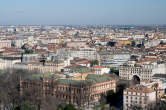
pixel 155 87
pixel 28 51
pixel 135 107
pixel 114 70
pixel 70 107
pixel 161 43
pixel 139 45
pixel 110 43
pixel 10 96
pixel 27 106
pixel 51 103
pixel 94 62
pixel 133 43
pixel 9 88
pixel 111 97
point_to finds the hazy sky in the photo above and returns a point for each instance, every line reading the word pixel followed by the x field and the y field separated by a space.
pixel 82 12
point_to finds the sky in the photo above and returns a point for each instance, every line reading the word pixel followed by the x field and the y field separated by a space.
pixel 82 12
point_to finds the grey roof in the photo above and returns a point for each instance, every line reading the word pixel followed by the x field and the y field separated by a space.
pixel 159 75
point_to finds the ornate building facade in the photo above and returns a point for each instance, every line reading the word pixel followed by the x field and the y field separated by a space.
pixel 142 71
pixel 78 92
pixel 139 97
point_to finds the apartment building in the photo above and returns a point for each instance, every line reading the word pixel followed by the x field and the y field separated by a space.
pixel 113 58
pixel 5 43
pixel 88 53
pixel 143 71
pixel 138 96
pixel 100 70
pixel 26 58
pixel 8 62
pixel 39 67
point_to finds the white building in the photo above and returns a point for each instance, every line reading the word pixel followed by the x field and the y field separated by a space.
pixel 160 87
pixel 144 71
pixel 5 43
pixel 77 44
pixel 26 58
pixel 4 64
pixel 89 53
pixel 138 96
pixel 100 70
pixel 152 43
pixel 161 78
pixel 113 58
pixel 18 43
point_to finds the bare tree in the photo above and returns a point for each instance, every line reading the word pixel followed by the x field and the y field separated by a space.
pixel 9 88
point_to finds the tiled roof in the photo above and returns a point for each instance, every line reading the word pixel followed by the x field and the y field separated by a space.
pixel 98 67
pixel 140 89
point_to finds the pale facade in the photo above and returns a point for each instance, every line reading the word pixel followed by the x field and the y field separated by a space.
pixel 5 44
pixel 144 71
pixel 100 70
pixel 80 93
pixel 89 53
pixel 138 96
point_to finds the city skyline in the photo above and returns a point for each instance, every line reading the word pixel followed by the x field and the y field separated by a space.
pixel 77 12
pixel 82 55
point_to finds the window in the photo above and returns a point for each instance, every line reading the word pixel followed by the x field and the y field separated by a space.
pixel 140 102
pixel 144 102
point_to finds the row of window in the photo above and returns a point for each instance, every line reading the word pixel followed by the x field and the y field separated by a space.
pixel 136 98
pixel 136 93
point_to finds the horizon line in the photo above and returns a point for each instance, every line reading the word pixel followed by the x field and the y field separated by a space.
pixel 82 24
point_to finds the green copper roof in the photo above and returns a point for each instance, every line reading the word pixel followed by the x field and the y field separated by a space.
pixel 98 78
pixel 90 79
pixel 41 76
pixel 81 69
pixel 74 82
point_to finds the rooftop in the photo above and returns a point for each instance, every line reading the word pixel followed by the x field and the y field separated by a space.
pixel 41 76
pixel 79 69
pixel 90 79
pixel 140 89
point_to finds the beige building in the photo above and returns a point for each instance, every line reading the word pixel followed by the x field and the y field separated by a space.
pixel 142 71
pixel 84 92
pixel 5 43
pixel 16 64
pixel 138 96
pixel 100 70
pixel 88 53
pixel 39 67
